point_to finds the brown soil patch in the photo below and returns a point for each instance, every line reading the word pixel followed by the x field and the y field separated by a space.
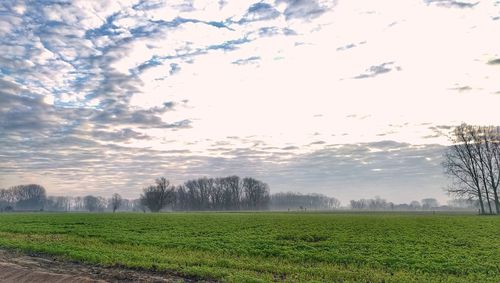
pixel 17 267
pixel 13 273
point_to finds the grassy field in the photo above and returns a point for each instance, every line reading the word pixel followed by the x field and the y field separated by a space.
pixel 255 247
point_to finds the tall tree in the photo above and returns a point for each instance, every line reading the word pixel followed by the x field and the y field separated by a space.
pixel 157 196
pixel 57 203
pixel 116 201
pixel 93 203
pixel 480 153
pixel 256 194
pixel 30 197
pixel 462 165
pixel 474 163
pixel 488 140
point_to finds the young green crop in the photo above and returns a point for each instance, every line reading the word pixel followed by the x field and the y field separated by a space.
pixel 255 247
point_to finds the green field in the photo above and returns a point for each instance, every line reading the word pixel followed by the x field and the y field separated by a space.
pixel 255 247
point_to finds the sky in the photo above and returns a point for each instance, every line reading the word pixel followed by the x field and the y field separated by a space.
pixel 348 98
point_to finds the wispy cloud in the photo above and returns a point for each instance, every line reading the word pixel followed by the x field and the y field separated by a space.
pixel 249 60
pixel 260 12
pixel 305 9
pixel 453 3
pixel 376 70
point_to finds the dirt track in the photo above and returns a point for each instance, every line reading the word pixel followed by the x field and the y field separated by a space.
pixel 13 273
pixel 19 268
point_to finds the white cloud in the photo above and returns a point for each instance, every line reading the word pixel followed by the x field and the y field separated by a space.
pixel 323 73
pixel 8 23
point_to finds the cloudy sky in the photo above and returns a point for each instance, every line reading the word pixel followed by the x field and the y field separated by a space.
pixel 349 98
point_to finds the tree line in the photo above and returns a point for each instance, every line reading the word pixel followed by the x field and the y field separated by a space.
pixel 379 203
pixel 34 197
pixel 207 194
pixel 290 200
pixel 226 193
pixel 202 194
pixel 23 197
pixel 473 163
pixel 426 204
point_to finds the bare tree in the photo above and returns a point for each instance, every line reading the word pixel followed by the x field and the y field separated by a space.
pixel 158 196
pixel 480 153
pixel 291 200
pixel 429 203
pixel 57 203
pixel 473 161
pixel 233 195
pixel 93 203
pixel 7 199
pixel 226 193
pixel 138 205
pixel 78 204
pixel 415 205
pixel 463 203
pixel 378 203
pixel 488 148
pixel 116 201
pixel 463 165
pixel 29 197
pixel 257 194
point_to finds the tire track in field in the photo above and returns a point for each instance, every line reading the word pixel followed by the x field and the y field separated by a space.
pixel 13 273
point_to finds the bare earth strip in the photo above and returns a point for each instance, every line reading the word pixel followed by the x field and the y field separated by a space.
pixel 19 268
pixel 12 273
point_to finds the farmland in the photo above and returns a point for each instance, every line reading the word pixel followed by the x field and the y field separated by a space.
pixel 264 246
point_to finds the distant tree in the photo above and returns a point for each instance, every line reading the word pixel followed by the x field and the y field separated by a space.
pixel 7 199
pixel 29 197
pixel 158 196
pixel 93 203
pixel 138 205
pixel 391 205
pixel 463 203
pixel 284 201
pixel 233 193
pixel 359 204
pixel 57 203
pixel 377 204
pixel 126 205
pixel 257 194
pixel 429 203
pixel 200 192
pixel 78 204
pixel 415 205
pixel 333 203
pixel 182 200
pixel 223 193
pixel 116 201
pixel 102 203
